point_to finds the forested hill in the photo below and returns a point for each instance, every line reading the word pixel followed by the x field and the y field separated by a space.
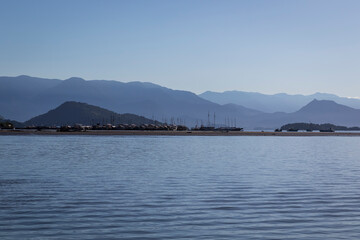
pixel 70 113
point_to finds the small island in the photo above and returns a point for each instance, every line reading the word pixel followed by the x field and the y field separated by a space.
pixel 316 127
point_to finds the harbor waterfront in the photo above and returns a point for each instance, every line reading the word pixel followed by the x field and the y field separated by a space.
pixel 179 187
pixel 180 133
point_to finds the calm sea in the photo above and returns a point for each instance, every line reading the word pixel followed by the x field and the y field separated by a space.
pixel 118 187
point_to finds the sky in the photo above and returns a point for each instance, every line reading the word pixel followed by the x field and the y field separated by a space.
pixel 269 46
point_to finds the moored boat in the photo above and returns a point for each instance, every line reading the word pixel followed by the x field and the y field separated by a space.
pixel 327 130
pixel 292 130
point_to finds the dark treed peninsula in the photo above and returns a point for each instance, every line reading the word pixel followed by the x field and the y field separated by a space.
pixel 317 127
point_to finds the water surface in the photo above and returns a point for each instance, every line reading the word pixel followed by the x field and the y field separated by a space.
pixel 154 187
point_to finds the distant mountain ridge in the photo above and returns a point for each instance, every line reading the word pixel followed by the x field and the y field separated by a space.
pixel 280 102
pixel 24 97
pixel 70 113
pixel 317 111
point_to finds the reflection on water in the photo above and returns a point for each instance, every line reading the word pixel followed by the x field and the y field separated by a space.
pixel 83 187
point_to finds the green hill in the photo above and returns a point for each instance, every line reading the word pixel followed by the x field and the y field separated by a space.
pixel 70 113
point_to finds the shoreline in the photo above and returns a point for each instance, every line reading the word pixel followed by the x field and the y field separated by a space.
pixel 176 133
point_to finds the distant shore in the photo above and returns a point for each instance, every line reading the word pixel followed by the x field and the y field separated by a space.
pixel 177 133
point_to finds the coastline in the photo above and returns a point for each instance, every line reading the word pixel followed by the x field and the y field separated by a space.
pixel 177 133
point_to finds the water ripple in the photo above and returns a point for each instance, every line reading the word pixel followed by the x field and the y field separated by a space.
pixel 80 187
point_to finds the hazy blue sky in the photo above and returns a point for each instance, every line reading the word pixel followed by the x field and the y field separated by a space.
pixel 264 46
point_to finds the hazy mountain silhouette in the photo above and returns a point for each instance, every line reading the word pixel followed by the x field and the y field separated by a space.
pixel 23 97
pixel 281 102
pixel 317 111
pixel 28 97
pixel 17 96
pixel 70 113
pixel 321 110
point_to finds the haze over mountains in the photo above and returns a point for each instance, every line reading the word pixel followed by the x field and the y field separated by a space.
pixel 317 111
pixel 280 102
pixel 24 97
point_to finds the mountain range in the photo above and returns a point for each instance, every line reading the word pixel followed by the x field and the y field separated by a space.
pixel 280 102
pixel 24 97
pixel 317 111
